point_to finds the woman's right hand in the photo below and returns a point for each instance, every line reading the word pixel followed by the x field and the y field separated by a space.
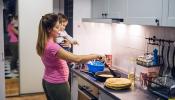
pixel 101 58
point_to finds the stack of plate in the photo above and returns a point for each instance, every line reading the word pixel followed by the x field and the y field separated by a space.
pixel 117 83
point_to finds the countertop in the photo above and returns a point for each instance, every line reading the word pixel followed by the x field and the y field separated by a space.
pixel 134 93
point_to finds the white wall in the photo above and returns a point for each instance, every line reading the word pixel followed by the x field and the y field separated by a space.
pixel 31 67
pixel 92 37
pixel 2 77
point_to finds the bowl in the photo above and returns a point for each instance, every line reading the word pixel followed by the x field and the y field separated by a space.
pixel 95 66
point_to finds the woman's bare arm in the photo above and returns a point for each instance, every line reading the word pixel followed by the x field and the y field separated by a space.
pixel 68 56
pixel 15 30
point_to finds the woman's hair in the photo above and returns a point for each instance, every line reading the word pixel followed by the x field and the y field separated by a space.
pixel 47 22
pixel 10 18
pixel 62 18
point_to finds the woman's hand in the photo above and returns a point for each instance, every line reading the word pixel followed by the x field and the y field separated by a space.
pixel 101 58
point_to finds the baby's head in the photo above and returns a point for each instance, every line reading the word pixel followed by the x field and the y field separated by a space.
pixel 63 20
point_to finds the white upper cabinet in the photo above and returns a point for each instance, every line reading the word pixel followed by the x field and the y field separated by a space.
pixel 168 13
pixel 140 12
pixel 108 8
pixel 99 8
pixel 144 12
pixel 117 9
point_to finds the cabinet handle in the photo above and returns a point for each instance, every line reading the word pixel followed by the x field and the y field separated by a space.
pixel 157 22
pixel 104 15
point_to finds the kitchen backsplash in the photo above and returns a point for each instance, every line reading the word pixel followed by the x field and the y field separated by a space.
pixel 124 42
pixel 92 38
pixel 128 42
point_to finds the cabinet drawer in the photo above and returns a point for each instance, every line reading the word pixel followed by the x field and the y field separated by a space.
pixel 89 87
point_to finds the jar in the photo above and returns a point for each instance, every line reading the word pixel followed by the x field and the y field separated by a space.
pixel 109 59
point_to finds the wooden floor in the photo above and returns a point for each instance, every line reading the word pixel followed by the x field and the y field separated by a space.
pixel 12 87
pixel 28 97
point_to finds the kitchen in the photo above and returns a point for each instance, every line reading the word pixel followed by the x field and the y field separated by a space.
pixel 123 41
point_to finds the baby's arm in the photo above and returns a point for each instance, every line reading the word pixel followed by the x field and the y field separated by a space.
pixel 70 39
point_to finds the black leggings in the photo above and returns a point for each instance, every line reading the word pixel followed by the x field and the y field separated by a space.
pixel 14 59
pixel 59 91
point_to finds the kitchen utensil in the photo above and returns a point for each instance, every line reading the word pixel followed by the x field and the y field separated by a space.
pixel 168 65
pixel 162 57
pixel 173 69
pixel 112 72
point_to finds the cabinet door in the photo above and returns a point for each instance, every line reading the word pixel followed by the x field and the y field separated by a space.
pixel 99 7
pixel 144 12
pixel 116 9
pixel 169 13
pixel 104 96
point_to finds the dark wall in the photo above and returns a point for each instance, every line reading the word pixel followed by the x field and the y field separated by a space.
pixel 9 10
pixel 68 11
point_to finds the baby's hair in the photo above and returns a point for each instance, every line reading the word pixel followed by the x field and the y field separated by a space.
pixel 62 18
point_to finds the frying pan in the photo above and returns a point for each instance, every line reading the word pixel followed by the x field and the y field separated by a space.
pixel 100 76
pixel 112 72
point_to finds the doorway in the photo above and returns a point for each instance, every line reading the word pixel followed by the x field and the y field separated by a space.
pixel 10 23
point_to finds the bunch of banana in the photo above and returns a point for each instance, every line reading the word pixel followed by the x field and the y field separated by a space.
pixel 117 83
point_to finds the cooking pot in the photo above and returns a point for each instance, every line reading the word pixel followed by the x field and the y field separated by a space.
pixel 95 66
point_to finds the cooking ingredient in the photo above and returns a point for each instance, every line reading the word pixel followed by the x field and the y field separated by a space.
pixel 105 75
pixel 117 83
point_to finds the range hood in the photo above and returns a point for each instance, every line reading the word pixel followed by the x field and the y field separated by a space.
pixel 103 20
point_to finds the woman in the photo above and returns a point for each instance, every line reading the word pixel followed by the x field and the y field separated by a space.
pixel 12 30
pixel 54 57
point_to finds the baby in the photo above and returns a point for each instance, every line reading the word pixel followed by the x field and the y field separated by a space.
pixel 64 39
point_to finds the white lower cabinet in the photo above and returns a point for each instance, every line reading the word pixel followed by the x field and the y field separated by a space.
pixel 103 96
pixel 78 94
